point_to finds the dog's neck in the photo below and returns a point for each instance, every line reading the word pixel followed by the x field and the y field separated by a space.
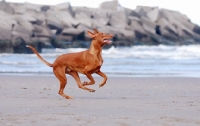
pixel 95 48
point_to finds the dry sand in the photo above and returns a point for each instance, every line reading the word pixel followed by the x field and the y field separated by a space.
pixel 123 101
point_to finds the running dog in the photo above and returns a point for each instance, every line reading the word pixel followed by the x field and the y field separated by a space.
pixel 86 62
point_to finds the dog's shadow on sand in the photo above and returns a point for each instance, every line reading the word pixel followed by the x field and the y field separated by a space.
pixel 99 98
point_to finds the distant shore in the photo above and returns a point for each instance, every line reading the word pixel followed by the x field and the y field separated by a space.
pixel 124 101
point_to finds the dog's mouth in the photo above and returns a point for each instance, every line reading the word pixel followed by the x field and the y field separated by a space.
pixel 107 41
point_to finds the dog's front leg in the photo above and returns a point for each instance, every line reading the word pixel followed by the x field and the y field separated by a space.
pixel 78 81
pixel 89 76
pixel 102 75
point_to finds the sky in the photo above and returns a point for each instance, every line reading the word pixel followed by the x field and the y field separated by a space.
pixel 191 8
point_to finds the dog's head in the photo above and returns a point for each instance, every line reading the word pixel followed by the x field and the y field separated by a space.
pixel 100 38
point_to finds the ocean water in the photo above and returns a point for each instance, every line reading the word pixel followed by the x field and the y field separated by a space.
pixel 135 61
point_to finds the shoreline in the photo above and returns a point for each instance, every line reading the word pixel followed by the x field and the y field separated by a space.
pixel 155 75
pixel 124 101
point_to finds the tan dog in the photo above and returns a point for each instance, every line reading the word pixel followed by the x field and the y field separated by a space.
pixel 86 62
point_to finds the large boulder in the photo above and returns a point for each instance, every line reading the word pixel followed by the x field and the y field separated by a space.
pixel 18 35
pixel 35 17
pixel 84 19
pixel 43 31
pixel 51 16
pixel 153 14
pixel 139 31
pixel 24 23
pixel 99 22
pixel 76 34
pixel 175 19
pixel 67 19
pixel 100 13
pixel 4 6
pixel 91 17
pixel 7 21
pixel 167 30
pixel 64 7
pixel 32 7
pixel 22 8
pixel 110 5
pixel 72 31
pixel 115 22
pixel 5 34
pixel 143 10
pixel 25 17
pixel 148 25
pixel 18 8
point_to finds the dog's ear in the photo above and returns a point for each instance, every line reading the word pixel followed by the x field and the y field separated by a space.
pixel 91 35
pixel 96 31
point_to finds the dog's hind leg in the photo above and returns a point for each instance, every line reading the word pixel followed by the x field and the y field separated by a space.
pixel 75 75
pixel 60 74
pixel 104 77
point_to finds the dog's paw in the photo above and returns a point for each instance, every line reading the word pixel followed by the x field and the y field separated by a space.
pixel 91 90
pixel 85 83
pixel 101 85
pixel 69 97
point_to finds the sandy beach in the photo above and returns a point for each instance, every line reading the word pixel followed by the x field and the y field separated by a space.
pixel 123 101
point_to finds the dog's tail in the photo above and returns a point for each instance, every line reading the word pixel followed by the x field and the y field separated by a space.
pixel 38 55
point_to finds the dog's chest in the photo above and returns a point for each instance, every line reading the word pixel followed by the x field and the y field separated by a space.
pixel 98 61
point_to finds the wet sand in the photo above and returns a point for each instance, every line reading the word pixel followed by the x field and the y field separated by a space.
pixel 123 101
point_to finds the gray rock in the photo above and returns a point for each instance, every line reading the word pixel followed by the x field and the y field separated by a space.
pixel 84 19
pixel 153 14
pixel 115 22
pixel 143 10
pixel 110 5
pixel 99 22
pixel 133 18
pixel 45 8
pixel 177 20
pixel 4 6
pixel 32 7
pixel 5 34
pixel 18 35
pixel 196 29
pixel 133 13
pixel 87 11
pixel 7 21
pixel 138 29
pixel 167 34
pixel 18 8
pixel 99 13
pixel 148 25
pixel 75 34
pixel 67 20
pixel 72 31
pixel 26 24
pixel 164 23
pixel 25 17
pixel 51 16
pixel 64 38
pixel 39 17
pixel 128 34
pixel 44 40
pixel 63 7
pixel 43 31
pixel 22 23
pixel 21 29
